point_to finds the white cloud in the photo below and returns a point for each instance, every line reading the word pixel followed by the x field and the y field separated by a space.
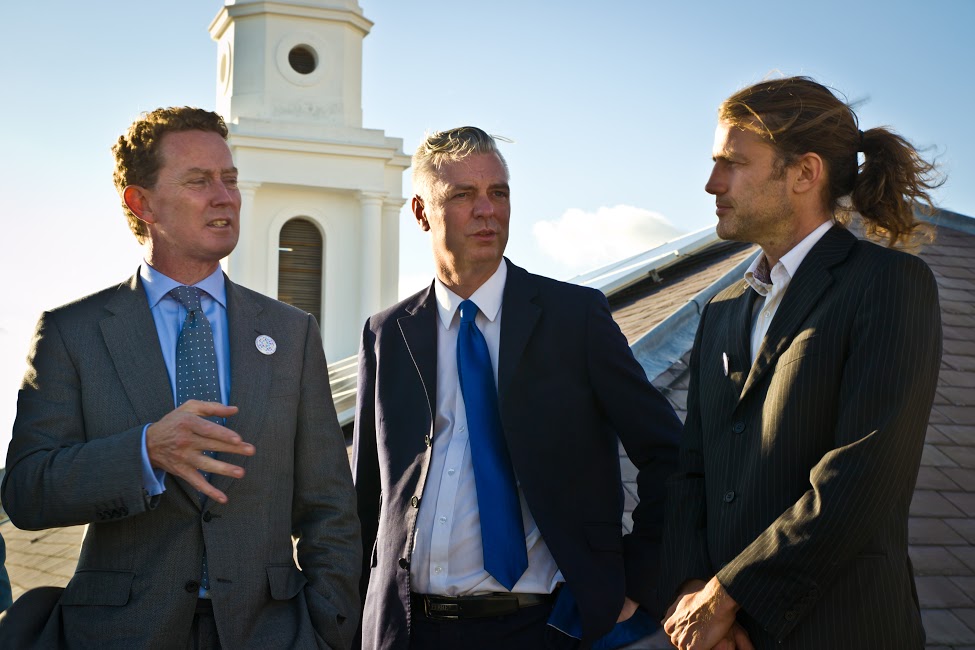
pixel 584 241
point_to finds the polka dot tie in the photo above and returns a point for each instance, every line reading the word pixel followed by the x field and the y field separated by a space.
pixel 196 370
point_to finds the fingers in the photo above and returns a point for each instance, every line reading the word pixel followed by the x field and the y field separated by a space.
pixel 200 484
pixel 742 641
pixel 216 437
pixel 670 611
pixel 176 444
pixel 629 609
pixel 207 409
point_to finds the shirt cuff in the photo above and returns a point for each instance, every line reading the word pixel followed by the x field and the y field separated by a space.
pixel 152 479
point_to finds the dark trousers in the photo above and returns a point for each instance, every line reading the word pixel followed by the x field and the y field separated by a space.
pixel 203 634
pixel 526 629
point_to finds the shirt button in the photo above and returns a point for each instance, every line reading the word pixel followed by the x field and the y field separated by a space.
pixel 415 502
pixel 426 440
pixel 729 496
pixel 438 569
pixel 738 427
pixel 450 472
pixel 767 314
pixel 404 563
pixel 462 429
pixel 443 520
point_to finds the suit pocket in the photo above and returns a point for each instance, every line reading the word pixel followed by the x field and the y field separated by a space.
pixel 803 346
pixel 285 581
pixel 110 588
pixel 605 537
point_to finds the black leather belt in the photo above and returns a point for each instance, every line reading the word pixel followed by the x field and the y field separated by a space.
pixel 452 608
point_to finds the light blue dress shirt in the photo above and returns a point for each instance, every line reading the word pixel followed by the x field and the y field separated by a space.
pixel 169 315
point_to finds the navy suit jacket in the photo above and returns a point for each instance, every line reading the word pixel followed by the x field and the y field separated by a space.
pixel 568 388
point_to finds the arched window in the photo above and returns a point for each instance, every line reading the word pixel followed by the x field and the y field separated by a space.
pixel 300 263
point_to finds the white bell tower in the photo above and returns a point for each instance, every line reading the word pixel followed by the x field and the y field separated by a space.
pixel 321 195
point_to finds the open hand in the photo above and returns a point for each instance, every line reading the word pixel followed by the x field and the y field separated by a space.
pixel 176 444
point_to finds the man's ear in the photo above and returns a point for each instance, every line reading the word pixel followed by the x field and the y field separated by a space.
pixel 419 214
pixel 137 200
pixel 809 174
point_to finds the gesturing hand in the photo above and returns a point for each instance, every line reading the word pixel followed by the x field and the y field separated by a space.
pixel 176 444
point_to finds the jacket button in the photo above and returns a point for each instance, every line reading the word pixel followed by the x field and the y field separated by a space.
pixel 729 496
pixel 739 427
pixel 192 587
pixel 404 563
pixel 790 615
pixel 415 502
pixel 207 516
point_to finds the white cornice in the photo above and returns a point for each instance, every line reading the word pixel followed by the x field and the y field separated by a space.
pixel 328 14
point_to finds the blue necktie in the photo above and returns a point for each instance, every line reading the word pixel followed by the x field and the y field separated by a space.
pixel 502 530
pixel 196 370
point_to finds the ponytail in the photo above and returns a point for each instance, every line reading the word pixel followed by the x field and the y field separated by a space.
pixel 893 183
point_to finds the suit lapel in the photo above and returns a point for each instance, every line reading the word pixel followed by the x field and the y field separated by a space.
pixel 132 342
pixel 250 373
pixel 812 279
pixel 519 315
pixel 740 338
pixel 419 330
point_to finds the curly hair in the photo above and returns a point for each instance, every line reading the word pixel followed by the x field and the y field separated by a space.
pixel 797 115
pixel 137 157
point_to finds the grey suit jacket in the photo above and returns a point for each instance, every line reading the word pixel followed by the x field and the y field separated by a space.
pixel 797 472
pixel 96 377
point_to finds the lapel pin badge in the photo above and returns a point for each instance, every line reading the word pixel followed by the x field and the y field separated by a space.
pixel 266 345
pixel 724 360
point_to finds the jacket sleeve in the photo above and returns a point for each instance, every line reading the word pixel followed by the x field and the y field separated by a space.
pixel 888 381
pixel 323 513
pixel 53 456
pixel 365 461
pixel 649 430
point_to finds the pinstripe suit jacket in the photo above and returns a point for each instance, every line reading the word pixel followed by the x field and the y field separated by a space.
pixel 797 471
pixel 96 376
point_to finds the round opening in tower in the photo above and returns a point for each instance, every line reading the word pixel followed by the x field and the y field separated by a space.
pixel 302 59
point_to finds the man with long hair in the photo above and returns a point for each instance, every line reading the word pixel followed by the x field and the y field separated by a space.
pixel 811 384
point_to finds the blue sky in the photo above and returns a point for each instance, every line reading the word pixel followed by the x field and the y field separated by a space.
pixel 609 104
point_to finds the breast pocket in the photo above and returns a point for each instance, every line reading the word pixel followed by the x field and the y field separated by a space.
pixel 804 345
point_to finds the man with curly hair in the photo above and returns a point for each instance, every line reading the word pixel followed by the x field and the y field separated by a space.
pixel 188 421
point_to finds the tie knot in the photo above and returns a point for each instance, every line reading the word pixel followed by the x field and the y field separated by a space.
pixel 189 297
pixel 468 311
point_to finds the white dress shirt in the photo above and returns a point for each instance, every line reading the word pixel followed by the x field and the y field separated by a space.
pixel 447 554
pixel 780 276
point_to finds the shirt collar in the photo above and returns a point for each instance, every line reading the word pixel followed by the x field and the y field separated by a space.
pixel 158 285
pixel 488 296
pixel 788 264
